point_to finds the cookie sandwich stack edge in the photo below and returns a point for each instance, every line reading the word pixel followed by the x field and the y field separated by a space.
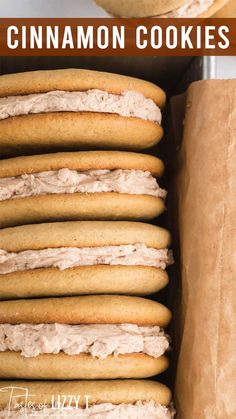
pixel 75 258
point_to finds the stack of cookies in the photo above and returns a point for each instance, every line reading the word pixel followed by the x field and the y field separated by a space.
pixel 78 334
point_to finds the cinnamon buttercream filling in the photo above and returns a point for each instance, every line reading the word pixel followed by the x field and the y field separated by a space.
pixel 138 410
pixel 127 104
pixel 68 257
pixel 66 181
pixel 99 340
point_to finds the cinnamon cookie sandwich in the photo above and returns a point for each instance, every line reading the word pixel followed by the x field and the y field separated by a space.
pixel 86 337
pixel 80 185
pixel 136 399
pixel 162 8
pixel 83 257
pixel 74 109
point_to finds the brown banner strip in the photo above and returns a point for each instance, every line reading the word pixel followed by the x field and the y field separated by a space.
pixel 118 37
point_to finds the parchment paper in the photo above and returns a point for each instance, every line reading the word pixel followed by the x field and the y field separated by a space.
pixel 206 204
